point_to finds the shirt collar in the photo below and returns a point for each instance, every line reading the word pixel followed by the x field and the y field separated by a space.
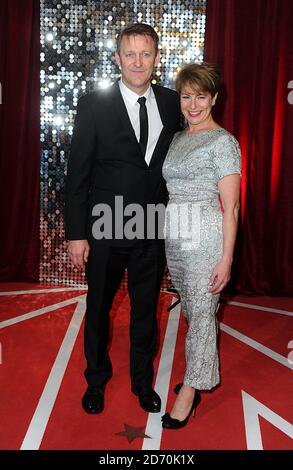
pixel 131 96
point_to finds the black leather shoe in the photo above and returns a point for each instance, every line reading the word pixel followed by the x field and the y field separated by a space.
pixel 171 423
pixel 149 400
pixel 93 400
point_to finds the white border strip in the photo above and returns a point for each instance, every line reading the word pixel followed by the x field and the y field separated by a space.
pixel 37 427
pixel 258 346
pixel 154 425
pixel 257 307
pixel 40 311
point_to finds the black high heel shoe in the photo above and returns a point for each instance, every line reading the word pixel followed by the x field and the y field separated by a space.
pixel 177 388
pixel 172 423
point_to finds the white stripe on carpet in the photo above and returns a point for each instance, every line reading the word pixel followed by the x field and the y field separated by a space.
pixel 154 425
pixel 37 427
pixel 252 410
pixel 43 291
pixel 258 307
pixel 40 311
pixel 258 346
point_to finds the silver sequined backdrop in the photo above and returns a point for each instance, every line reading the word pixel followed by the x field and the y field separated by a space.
pixel 77 56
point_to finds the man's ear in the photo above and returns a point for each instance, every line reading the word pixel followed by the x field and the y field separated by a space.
pixel 157 59
pixel 214 99
pixel 117 58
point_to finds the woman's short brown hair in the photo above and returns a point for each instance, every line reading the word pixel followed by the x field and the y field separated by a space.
pixel 200 77
pixel 135 29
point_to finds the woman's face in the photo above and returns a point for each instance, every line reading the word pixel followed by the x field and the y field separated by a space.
pixel 196 107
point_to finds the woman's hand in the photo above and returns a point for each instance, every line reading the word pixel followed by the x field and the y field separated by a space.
pixel 220 277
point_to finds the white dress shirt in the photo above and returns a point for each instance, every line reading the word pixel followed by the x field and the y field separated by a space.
pixel 154 119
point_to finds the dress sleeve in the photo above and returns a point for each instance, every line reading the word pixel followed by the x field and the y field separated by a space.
pixel 227 156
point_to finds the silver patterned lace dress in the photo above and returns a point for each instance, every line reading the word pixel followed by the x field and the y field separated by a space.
pixel 194 241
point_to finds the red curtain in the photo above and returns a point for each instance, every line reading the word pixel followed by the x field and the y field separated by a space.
pixel 252 42
pixel 19 139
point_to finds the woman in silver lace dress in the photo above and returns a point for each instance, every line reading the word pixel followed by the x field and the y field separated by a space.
pixel 202 164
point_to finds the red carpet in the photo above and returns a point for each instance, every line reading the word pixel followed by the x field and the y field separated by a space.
pixel 222 421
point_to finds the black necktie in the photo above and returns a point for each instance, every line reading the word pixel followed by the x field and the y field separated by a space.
pixel 144 125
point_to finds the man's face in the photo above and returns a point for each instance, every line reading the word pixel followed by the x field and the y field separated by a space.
pixel 137 58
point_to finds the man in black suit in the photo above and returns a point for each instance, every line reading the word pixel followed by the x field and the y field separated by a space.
pixel 120 140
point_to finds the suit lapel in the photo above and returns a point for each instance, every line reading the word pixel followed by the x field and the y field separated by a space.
pixel 161 104
pixel 121 111
pixel 164 117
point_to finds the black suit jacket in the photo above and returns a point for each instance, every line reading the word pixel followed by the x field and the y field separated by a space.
pixel 106 160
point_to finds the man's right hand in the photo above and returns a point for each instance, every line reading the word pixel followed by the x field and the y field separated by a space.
pixel 78 251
